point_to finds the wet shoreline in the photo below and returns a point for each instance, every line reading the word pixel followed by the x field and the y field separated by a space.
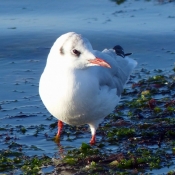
pixel 145 28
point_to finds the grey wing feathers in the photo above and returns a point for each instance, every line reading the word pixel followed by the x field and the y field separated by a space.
pixel 118 75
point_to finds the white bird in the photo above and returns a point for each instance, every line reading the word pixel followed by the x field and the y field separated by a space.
pixel 80 85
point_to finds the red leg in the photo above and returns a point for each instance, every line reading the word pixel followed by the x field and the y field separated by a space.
pixel 60 126
pixel 92 141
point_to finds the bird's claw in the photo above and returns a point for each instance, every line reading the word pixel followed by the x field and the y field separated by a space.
pixel 57 138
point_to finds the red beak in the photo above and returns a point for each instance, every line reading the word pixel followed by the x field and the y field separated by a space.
pixel 100 62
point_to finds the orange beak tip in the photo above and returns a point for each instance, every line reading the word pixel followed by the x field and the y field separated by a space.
pixel 100 62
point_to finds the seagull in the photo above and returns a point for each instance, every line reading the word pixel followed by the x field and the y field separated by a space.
pixel 80 85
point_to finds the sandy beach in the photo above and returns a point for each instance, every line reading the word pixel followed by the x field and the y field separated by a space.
pixel 27 32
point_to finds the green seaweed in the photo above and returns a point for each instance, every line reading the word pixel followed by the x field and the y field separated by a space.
pixel 140 131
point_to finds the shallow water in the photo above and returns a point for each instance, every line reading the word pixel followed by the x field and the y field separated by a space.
pixel 27 32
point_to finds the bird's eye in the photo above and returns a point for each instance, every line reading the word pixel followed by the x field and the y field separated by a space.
pixel 76 52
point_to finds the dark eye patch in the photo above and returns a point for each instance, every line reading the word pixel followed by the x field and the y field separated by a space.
pixel 76 52
pixel 61 50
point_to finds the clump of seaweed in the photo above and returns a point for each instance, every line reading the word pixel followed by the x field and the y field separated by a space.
pixel 136 138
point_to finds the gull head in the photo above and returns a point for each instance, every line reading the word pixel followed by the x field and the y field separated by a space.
pixel 73 50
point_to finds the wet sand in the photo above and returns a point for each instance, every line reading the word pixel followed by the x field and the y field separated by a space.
pixel 27 32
